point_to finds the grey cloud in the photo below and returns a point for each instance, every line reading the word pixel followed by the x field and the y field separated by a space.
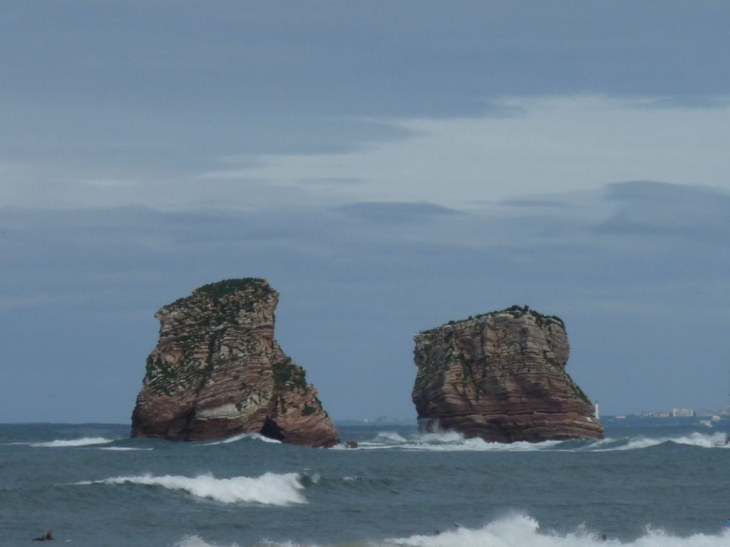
pixel 668 209
pixel 397 212
pixel 330 181
pixel 275 77
pixel 692 101
pixel 536 203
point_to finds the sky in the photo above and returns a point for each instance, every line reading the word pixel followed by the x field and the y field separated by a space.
pixel 386 166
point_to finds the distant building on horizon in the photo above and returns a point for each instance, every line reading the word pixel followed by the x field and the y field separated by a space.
pixel 683 413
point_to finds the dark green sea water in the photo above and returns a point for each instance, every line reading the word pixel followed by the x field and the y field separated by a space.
pixel 93 485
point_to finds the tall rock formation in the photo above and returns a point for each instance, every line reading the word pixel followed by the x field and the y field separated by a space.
pixel 218 371
pixel 501 376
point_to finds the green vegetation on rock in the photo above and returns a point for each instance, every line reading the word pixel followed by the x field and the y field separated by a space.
pixel 229 286
pixel 287 372
pixel 159 375
pixel 220 289
pixel 515 311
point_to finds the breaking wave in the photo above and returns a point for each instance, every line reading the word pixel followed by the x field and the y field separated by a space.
pixel 123 448
pixel 244 436
pixel 85 441
pixel 390 436
pixel 700 440
pixel 450 441
pixel 268 489
pixel 525 530
pixel 515 530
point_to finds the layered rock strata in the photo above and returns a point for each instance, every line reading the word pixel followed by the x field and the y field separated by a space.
pixel 501 377
pixel 217 371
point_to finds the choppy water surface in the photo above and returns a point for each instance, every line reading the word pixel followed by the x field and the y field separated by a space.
pixel 94 486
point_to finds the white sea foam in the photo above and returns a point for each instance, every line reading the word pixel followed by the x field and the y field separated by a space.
pixel 480 445
pixel 448 441
pixel 390 436
pixel 197 541
pixel 122 448
pixel 701 440
pixel 441 437
pixel 268 489
pixel 512 531
pixel 85 441
pixel 522 530
pixel 244 436
pixel 451 441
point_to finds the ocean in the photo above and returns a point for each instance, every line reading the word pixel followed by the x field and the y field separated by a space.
pixel 93 485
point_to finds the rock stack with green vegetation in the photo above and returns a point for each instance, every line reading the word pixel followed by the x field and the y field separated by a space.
pixel 501 376
pixel 217 371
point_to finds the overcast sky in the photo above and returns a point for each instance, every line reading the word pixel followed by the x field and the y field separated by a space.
pixel 387 166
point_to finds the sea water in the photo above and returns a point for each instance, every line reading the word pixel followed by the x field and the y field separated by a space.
pixel 93 485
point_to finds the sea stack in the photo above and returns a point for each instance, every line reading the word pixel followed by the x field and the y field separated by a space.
pixel 501 376
pixel 218 371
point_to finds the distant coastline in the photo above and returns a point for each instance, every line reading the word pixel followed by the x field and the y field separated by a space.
pixel 620 420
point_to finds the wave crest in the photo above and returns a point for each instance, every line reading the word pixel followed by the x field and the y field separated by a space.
pixel 268 489
pixel 451 441
pixel 700 440
pixel 524 530
pixel 63 443
pixel 508 531
pixel 244 436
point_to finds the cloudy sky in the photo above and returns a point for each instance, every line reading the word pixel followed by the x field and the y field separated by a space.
pixel 387 166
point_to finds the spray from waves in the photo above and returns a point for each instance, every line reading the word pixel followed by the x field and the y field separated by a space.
pixel 268 489
pixel 515 530
pixel 524 530
pixel 449 441
pixel 701 440
pixel 197 541
pixel 383 440
pixel 391 437
pixel 85 441
pixel 244 436
pixel 123 449
pixel 480 445
pixel 441 437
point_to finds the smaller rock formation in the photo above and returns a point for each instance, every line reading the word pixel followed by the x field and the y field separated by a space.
pixel 501 377
pixel 217 371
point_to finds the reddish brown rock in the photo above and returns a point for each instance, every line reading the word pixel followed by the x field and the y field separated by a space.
pixel 501 377
pixel 217 371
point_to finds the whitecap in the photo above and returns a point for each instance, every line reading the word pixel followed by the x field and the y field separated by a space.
pixel 268 489
pixel 122 448
pixel 451 442
pixel 701 440
pixel 390 436
pixel 63 443
pixel 244 436
pixel 197 541
pixel 441 437
pixel 522 529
